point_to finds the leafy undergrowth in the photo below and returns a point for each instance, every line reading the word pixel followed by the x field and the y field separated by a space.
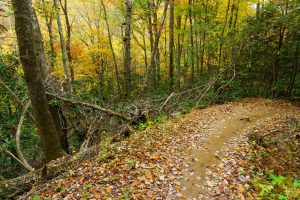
pixel 264 163
pixel 149 165
pixel 276 158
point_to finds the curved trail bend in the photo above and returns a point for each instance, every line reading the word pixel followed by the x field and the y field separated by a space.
pixel 173 160
pixel 222 133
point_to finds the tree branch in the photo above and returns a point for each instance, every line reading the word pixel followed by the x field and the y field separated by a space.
pixel 15 96
pixel 96 107
pixel 18 139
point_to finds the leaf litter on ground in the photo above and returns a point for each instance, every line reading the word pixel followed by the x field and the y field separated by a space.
pixel 159 163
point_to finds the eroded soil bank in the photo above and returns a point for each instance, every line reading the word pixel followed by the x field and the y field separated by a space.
pixel 178 159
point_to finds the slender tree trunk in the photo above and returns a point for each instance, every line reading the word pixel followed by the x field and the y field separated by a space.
pixel 127 54
pixel 294 72
pixel 111 47
pixel 49 22
pixel 150 25
pixel 51 37
pixel 64 7
pixel 157 58
pixel 231 14
pixel 223 31
pixel 155 46
pixel 33 58
pixel 192 43
pixel 275 67
pixel 171 45
pixel 63 47
pixel 236 14
pixel 143 47
pixel 178 49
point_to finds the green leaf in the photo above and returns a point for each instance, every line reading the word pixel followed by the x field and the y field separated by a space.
pixel 277 180
pixel 282 197
pixel 297 183
pixel 265 189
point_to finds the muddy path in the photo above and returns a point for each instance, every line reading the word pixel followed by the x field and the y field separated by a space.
pixel 222 133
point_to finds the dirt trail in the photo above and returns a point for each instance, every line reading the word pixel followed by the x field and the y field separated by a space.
pixel 222 133
pixel 171 160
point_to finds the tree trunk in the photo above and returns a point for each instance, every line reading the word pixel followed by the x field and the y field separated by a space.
pixel 68 42
pixel 275 67
pixel 150 26
pixel 63 47
pixel 33 58
pixel 157 58
pixel 127 54
pixel 49 23
pixel 192 43
pixel 223 31
pixel 171 45
pixel 294 72
pixel 178 50
pixel 151 67
pixel 111 47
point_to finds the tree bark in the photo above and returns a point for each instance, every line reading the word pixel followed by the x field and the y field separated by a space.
pixel 111 47
pixel 63 47
pixel 171 45
pixel 178 19
pixel 49 23
pixel 33 58
pixel 223 31
pixel 127 54
pixel 64 7
pixel 192 43
pixel 151 68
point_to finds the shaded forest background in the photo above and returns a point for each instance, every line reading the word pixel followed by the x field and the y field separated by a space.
pixel 146 58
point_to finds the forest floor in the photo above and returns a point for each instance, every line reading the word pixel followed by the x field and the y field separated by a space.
pixel 242 150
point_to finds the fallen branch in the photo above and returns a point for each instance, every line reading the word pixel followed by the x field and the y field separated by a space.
pixel 14 157
pixel 89 134
pixel 13 187
pixel 18 139
pixel 223 86
pixel 164 104
pixel 96 107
